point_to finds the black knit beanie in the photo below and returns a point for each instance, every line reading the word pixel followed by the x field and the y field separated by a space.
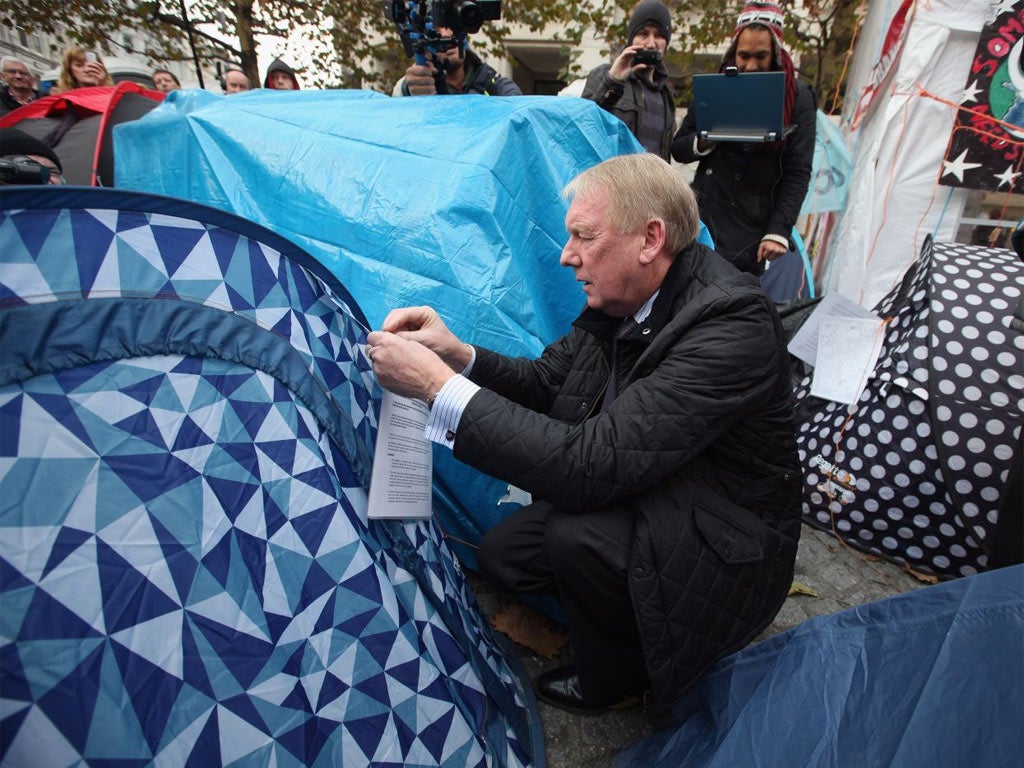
pixel 649 12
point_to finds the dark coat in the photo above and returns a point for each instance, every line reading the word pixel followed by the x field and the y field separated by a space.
pixel 7 101
pixel 481 78
pixel 746 191
pixel 626 101
pixel 698 447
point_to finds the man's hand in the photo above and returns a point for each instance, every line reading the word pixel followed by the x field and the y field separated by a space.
pixel 425 326
pixel 769 250
pixel 406 367
pixel 419 79
pixel 622 67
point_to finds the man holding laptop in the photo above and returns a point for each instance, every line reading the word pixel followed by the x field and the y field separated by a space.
pixel 750 181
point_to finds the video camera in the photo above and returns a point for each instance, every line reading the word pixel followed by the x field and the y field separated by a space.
pixel 22 170
pixel 418 22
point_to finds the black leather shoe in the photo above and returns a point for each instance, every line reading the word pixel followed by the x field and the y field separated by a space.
pixel 561 688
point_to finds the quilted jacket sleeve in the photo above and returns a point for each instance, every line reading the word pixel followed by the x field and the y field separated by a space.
pixel 700 375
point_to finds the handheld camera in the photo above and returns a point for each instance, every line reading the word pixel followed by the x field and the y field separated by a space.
pixel 22 170
pixel 418 22
pixel 647 56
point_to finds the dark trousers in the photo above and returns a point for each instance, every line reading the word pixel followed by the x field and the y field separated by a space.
pixel 584 559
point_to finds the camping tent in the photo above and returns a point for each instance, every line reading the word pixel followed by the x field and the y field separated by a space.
pixel 187 572
pixel 907 87
pixel 451 201
pixel 79 126
pixel 928 678
pixel 915 470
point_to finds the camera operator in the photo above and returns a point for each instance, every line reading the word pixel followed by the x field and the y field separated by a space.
pixel 635 87
pixel 450 71
pixel 26 160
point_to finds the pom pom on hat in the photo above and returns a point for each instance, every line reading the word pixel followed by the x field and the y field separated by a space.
pixel 649 12
pixel 762 12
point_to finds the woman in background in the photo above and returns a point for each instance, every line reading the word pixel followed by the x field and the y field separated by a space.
pixel 81 68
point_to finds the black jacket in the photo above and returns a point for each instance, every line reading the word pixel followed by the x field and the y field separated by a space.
pixel 7 101
pixel 746 191
pixel 626 101
pixel 480 78
pixel 698 447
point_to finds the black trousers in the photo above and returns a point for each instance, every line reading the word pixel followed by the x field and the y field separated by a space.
pixel 584 559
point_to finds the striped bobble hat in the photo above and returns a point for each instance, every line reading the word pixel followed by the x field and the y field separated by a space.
pixel 768 14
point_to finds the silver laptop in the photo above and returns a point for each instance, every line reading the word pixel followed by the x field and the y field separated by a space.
pixel 746 106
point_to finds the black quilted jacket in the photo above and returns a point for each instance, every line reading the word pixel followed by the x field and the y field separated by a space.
pixel 698 447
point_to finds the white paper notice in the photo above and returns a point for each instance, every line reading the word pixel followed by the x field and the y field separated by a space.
pixel 848 349
pixel 804 344
pixel 402 462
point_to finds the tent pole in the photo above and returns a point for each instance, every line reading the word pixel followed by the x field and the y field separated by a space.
pixel 191 43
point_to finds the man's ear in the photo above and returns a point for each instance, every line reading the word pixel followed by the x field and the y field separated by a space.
pixel 654 240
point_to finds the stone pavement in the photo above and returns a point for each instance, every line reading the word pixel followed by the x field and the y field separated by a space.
pixel 841 578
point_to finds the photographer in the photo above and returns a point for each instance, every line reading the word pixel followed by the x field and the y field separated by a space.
pixel 453 72
pixel 27 160
pixel 635 87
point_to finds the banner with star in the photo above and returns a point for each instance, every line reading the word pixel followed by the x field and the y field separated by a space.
pixel 986 148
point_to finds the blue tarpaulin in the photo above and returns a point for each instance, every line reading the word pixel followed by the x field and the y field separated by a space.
pixel 452 201
pixel 934 677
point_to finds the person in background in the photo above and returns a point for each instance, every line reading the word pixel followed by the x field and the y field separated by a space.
pixel 280 77
pixel 29 154
pixel 657 440
pixel 19 85
pixel 235 81
pixel 640 95
pixel 80 68
pixel 165 81
pixel 450 72
pixel 750 195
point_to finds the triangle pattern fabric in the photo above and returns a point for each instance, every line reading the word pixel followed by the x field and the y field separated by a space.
pixel 188 573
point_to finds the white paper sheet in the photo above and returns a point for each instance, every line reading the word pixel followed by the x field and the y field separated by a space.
pixel 403 461
pixel 804 344
pixel 848 349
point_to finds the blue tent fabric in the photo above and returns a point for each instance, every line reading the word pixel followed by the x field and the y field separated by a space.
pixel 933 677
pixel 187 572
pixel 452 201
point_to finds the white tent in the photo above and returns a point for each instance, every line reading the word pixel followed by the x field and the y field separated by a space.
pixel 899 146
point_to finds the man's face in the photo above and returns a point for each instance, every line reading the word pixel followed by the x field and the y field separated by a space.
pixel 281 81
pixel 235 82
pixel 164 83
pixel 650 37
pixel 16 75
pixel 604 260
pixel 754 50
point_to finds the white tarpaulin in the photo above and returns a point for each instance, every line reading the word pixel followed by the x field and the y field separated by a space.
pixel 898 148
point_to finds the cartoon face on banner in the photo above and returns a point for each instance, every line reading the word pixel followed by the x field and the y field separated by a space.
pixel 987 147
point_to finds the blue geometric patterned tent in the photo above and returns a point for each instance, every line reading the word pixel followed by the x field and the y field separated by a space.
pixel 187 572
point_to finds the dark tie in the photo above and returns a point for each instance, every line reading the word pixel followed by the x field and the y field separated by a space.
pixel 627 325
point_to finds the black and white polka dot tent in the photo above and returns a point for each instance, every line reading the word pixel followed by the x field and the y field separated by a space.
pixel 915 469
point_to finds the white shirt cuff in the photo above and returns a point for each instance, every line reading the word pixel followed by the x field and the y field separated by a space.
pixel 784 242
pixel 701 152
pixel 446 412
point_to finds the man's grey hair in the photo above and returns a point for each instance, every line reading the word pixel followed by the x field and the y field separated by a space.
pixel 15 59
pixel 641 187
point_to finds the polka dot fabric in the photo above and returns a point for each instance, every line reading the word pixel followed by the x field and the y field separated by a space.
pixel 915 469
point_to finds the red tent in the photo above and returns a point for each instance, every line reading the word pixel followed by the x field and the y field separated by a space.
pixel 79 126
